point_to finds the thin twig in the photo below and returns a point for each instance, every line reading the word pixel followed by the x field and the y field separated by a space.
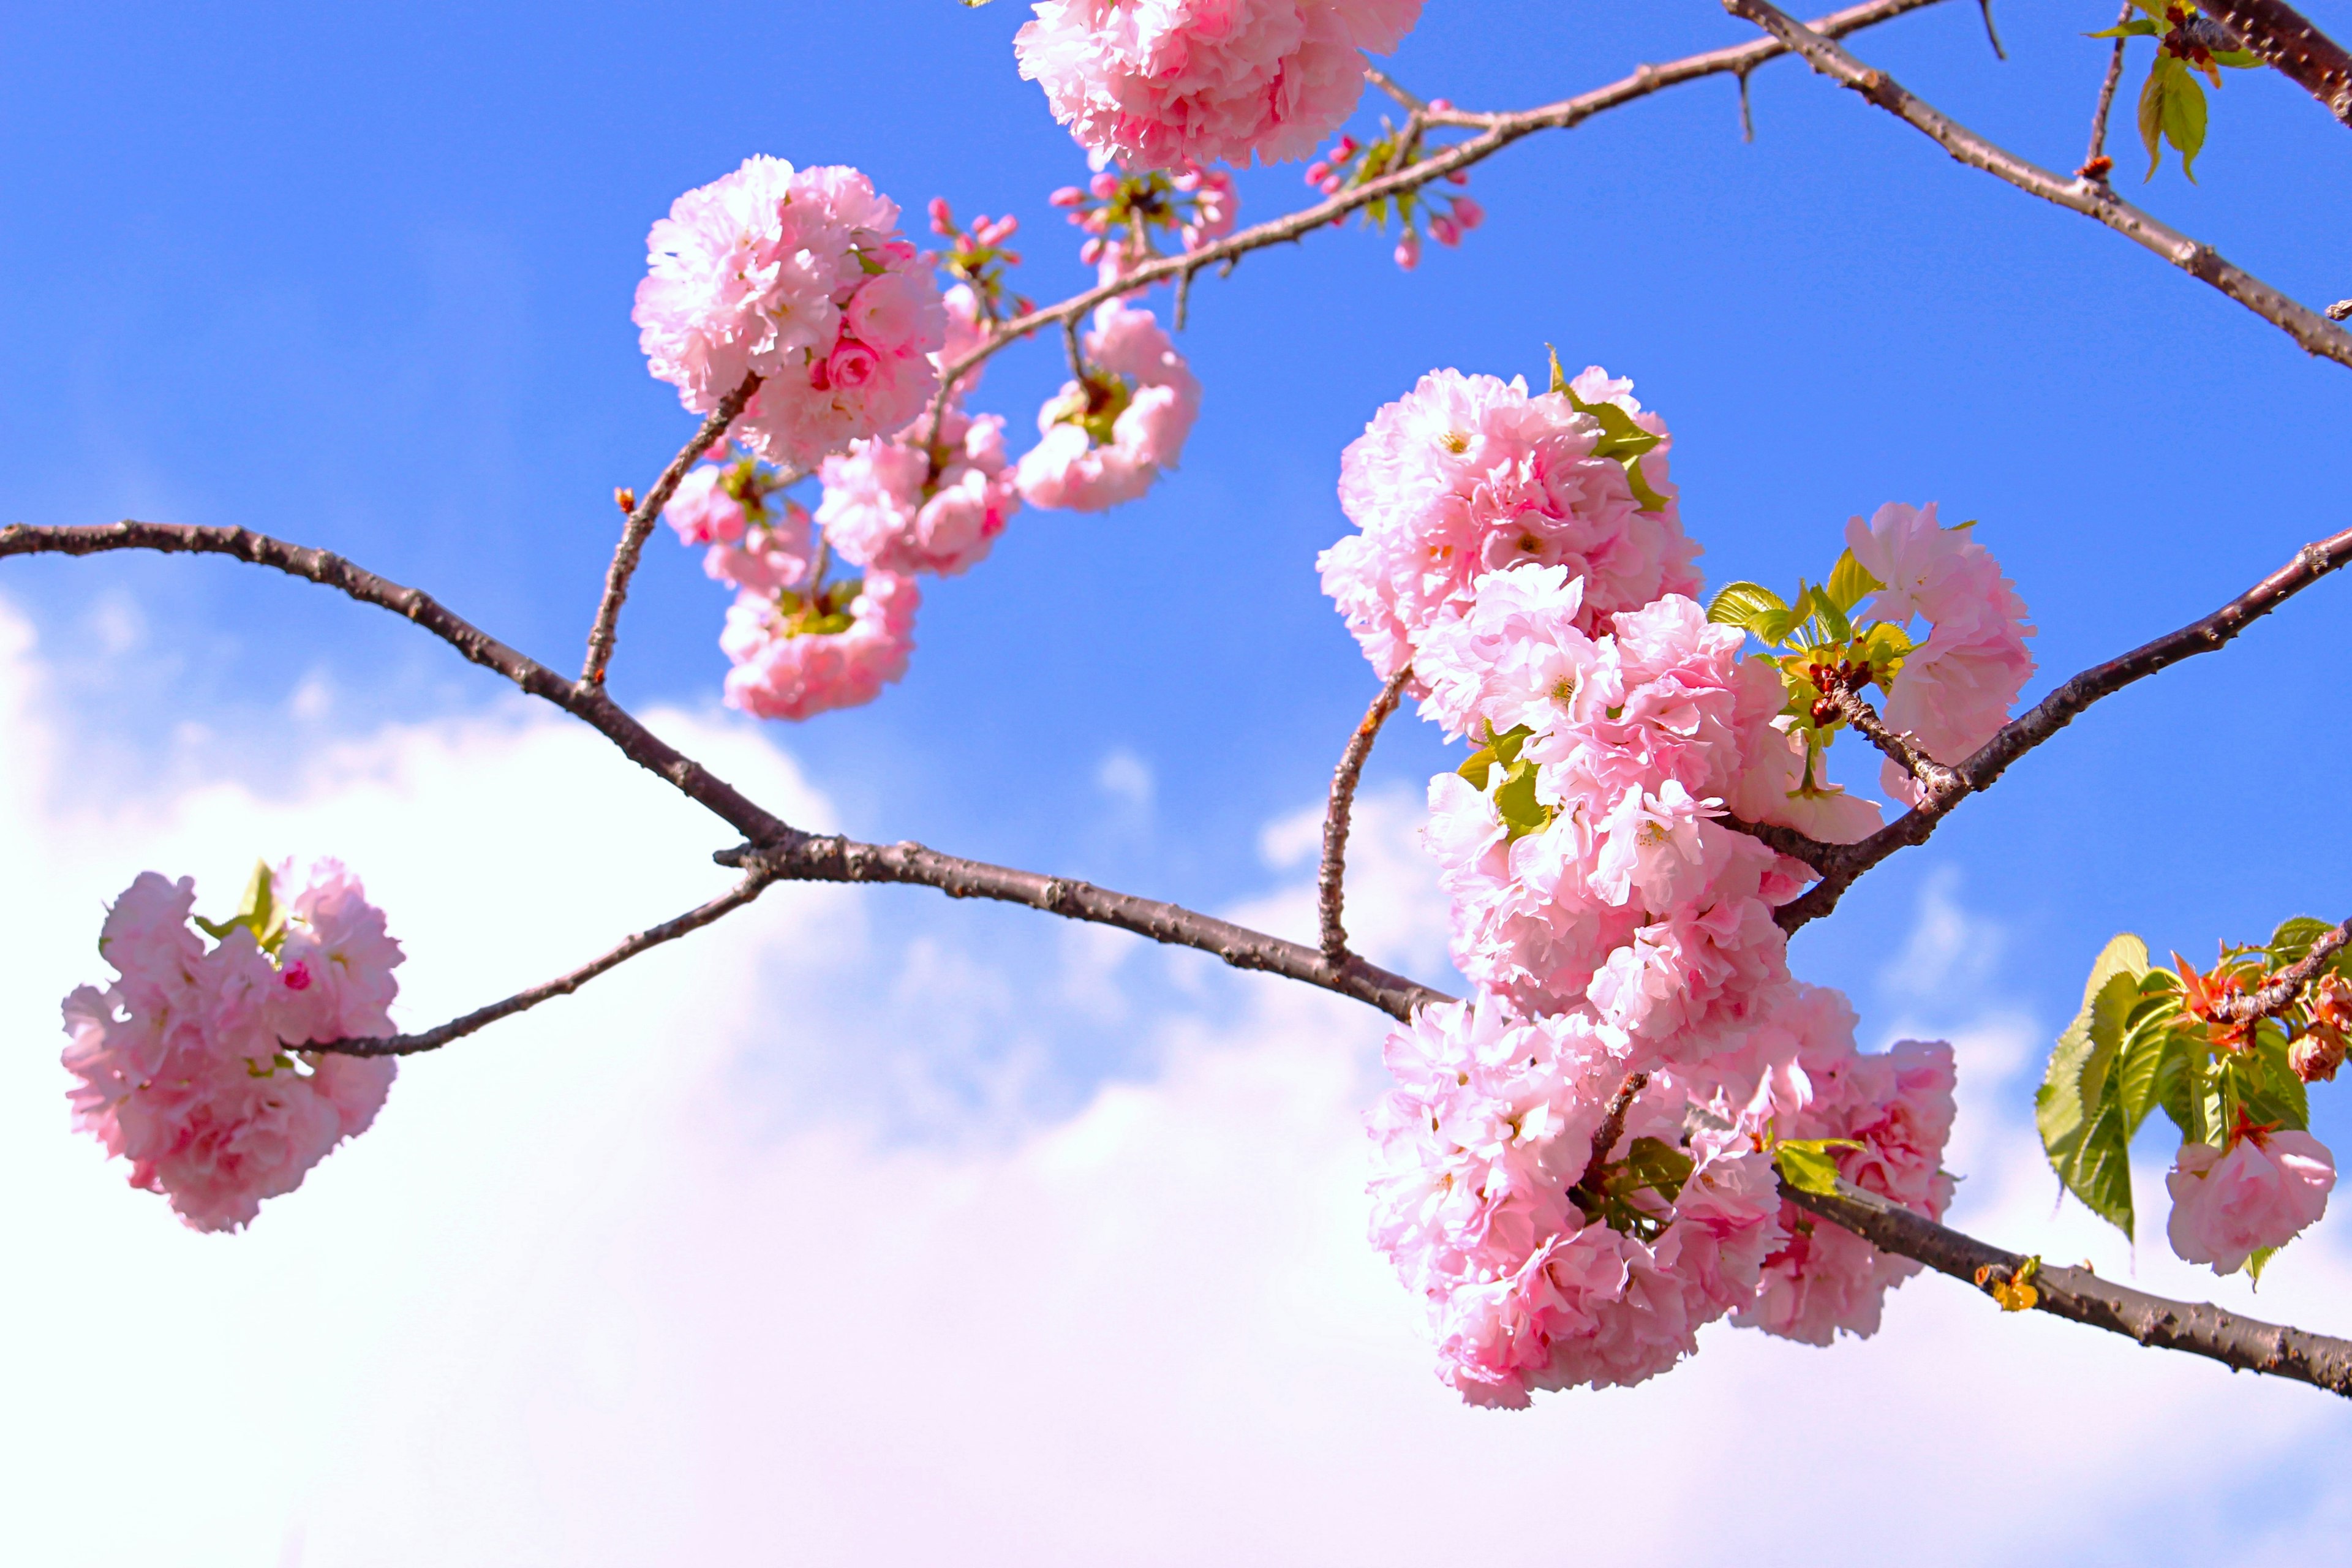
pixel 1612 1128
pixel 1903 748
pixel 1496 132
pixel 2096 163
pixel 1382 79
pixel 1331 881
pixel 2243 1344
pixel 2307 327
pixel 1842 864
pixel 641 523
pixel 743 893
pixel 1993 34
pixel 2285 986
pixel 2290 45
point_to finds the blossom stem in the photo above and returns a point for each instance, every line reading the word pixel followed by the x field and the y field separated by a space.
pixel 1330 879
pixel 1901 748
pixel 2286 985
pixel 641 524
pixel 743 893
pixel 2095 162
pixel 2313 331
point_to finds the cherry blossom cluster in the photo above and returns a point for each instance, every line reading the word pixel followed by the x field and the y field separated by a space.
pixel 978 259
pixel 1154 83
pixel 801 277
pixel 190 1065
pixel 1121 213
pixel 1524 556
pixel 2257 1193
pixel 1347 162
pixel 1108 434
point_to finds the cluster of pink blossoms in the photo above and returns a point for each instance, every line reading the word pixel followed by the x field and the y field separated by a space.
pixel 1469 474
pixel 1109 435
pixel 802 278
pixel 1155 82
pixel 1957 688
pixel 1120 214
pixel 1612 921
pixel 191 1063
pixel 2260 1192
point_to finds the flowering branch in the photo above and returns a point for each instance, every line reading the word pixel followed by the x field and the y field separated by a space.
pixel 743 893
pixel 2290 45
pixel 2240 1343
pixel 641 524
pixel 1496 132
pixel 1330 880
pixel 2316 332
pixel 1612 1128
pixel 1841 865
pixel 2285 986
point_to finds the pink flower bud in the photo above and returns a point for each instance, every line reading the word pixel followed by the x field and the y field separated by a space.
pixel 1469 213
pixel 942 222
pixel 1444 230
pixel 1458 178
pixel 1442 105
pixel 1331 185
pixel 1090 252
pixel 1345 147
pixel 1408 250
pixel 1315 171
pixel 297 976
pixel 853 365
pixel 1105 184
pixel 1067 197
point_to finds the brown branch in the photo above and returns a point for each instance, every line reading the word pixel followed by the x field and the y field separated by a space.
pixel 808 858
pixel 641 524
pixel 2243 1344
pixel 2096 163
pixel 1330 879
pixel 2307 327
pixel 1388 84
pixel 2276 997
pixel 743 893
pixel 1496 132
pixel 1842 864
pixel 582 700
pixel 1612 1128
pixel 1901 748
pixel 1992 34
pixel 2290 45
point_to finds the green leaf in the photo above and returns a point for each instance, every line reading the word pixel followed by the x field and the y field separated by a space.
pixel 2082 1126
pixel 2263 1085
pixel 2136 29
pixel 1831 614
pixel 2151 109
pixel 2238 60
pixel 1807 1163
pixel 1884 648
pixel 2260 1258
pixel 2155 1058
pixel 1750 605
pixel 2293 938
pixel 2184 121
pixel 1639 483
pixel 1558 379
pixel 1517 804
pixel 259 912
pixel 1621 439
pixel 1476 765
pixel 1850 581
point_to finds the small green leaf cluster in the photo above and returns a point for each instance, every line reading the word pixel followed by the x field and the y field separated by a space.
pixel 1614 1194
pixel 1515 797
pixel 824 611
pixel 257 912
pixel 1093 402
pixel 1816 643
pixel 2171 102
pixel 1806 1163
pixel 1622 440
pixel 2148 1038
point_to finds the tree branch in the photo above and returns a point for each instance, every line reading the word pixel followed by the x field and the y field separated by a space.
pixel 743 893
pixel 1496 132
pixel 2280 993
pixel 641 523
pixel 809 858
pixel 2096 163
pixel 2316 332
pixel 1330 879
pixel 2243 1344
pixel 1612 1128
pixel 1900 748
pixel 1842 864
pixel 581 699
pixel 2291 46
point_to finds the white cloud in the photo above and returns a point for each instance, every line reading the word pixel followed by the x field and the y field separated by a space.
pixel 1127 779
pixel 589 1295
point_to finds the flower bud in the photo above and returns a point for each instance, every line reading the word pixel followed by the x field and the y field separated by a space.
pixel 2318 1055
pixel 942 222
pixel 1067 197
pixel 1468 213
pixel 1408 250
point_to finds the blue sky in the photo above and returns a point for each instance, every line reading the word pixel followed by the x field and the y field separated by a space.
pixel 360 276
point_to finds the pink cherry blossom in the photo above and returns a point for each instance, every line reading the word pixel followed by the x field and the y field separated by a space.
pixel 2261 1192
pixel 1155 82
pixel 794 658
pixel 801 277
pixel 701 510
pixel 190 1065
pixel 904 508
pixel 775 553
pixel 1150 398
pixel 1468 474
